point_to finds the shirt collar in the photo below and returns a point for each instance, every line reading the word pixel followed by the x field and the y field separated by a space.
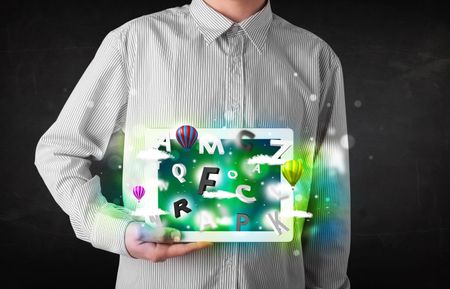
pixel 212 23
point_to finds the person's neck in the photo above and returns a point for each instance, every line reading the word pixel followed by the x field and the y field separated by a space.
pixel 236 10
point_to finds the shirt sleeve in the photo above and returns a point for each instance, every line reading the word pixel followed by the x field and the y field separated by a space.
pixel 326 237
pixel 93 112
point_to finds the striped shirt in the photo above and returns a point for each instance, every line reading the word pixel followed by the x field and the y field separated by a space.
pixel 190 64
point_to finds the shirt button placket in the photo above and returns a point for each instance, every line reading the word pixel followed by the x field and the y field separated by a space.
pixel 236 84
pixel 229 266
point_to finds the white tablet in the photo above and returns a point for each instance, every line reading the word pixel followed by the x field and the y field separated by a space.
pixel 218 185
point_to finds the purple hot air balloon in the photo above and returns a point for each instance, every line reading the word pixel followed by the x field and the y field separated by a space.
pixel 186 136
pixel 138 192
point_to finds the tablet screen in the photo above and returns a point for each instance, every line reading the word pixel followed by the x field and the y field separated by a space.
pixel 218 185
pixel 234 170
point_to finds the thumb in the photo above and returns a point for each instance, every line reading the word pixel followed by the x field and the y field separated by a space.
pixel 159 234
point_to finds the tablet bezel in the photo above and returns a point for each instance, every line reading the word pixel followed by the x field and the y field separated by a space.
pixel 287 204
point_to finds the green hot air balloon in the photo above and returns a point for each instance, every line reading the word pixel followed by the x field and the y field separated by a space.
pixel 292 171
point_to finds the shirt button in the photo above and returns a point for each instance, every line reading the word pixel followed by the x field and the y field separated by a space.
pixel 229 262
pixel 228 115
pixel 234 29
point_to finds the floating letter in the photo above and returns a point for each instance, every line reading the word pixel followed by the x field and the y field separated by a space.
pixel 181 205
pixel 205 181
pixel 241 196
pixel 206 220
pixel 204 144
pixel 247 147
pixel 179 171
pixel 155 219
pixel 165 142
pixel 276 224
pixel 232 174
pixel 239 222
pixel 285 145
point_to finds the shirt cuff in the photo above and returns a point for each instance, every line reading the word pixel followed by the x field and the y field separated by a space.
pixel 108 232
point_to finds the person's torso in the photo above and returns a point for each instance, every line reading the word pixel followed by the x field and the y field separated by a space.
pixel 176 79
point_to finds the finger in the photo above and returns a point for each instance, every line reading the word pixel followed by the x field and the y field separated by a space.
pixel 147 247
pixel 175 250
pixel 152 251
pixel 159 234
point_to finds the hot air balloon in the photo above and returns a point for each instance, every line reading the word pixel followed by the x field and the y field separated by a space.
pixel 292 171
pixel 186 136
pixel 138 192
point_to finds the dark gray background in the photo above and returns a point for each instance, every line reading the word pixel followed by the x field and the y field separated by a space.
pixel 396 62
